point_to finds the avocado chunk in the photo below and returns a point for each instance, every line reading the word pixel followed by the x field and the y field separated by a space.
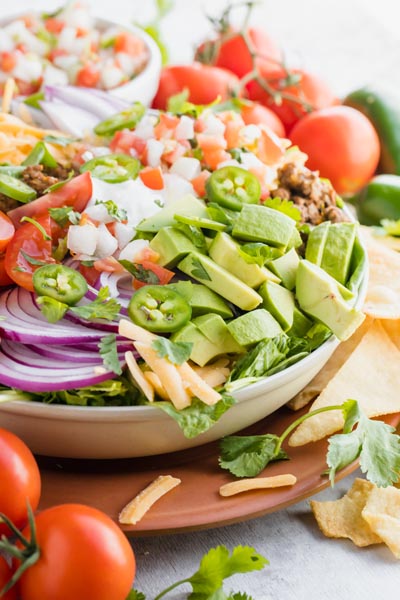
pixel 316 243
pixel 226 253
pixel 285 267
pixel 187 205
pixel 257 223
pixel 279 302
pixel 205 301
pixel 216 330
pixel 319 295
pixel 172 245
pixel 301 324
pixel 204 269
pixel 295 240
pixel 254 326
pixel 338 250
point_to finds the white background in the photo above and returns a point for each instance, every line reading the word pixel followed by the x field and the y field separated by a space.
pixel 350 43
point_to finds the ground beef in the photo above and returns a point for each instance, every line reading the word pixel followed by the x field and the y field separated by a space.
pixel 37 178
pixel 7 203
pixel 315 198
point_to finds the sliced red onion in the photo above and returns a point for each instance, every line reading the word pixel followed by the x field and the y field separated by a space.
pixel 99 105
pixel 70 119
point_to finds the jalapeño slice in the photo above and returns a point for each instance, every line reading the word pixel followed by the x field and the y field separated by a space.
pixel 232 187
pixel 159 309
pixel 60 282
pixel 126 119
pixel 112 168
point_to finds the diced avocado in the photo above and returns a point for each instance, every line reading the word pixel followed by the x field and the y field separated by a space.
pixel 184 288
pixel 204 300
pixel 187 205
pixel 204 269
pixel 226 253
pixel 319 296
pixel 254 326
pixel 257 223
pixel 316 243
pixel 172 245
pixel 216 330
pixel 295 240
pixel 279 302
pixel 203 350
pixel 301 324
pixel 338 250
pixel 285 268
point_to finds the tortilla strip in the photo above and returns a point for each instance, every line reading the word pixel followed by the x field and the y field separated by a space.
pixel 257 483
pixel 138 507
pixel 370 376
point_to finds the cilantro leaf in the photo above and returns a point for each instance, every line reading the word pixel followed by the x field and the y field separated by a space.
pixel 179 105
pixel 109 353
pixel 194 234
pixel 239 596
pixel 115 211
pixel 175 352
pixel 102 308
pixel 64 215
pixel 198 417
pixel 391 227
pixel 284 206
pixel 258 253
pixel 51 308
pixel 135 595
pixel 247 456
pixel 32 260
pixel 199 271
pixel 139 272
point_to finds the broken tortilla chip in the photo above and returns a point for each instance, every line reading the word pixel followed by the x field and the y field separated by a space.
pixel 382 513
pixel 337 360
pixel 343 518
pixel 383 294
pixel 370 376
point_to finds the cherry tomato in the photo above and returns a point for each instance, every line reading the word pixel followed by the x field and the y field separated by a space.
pixel 7 230
pixel 231 52
pixel 76 193
pixel 310 90
pixel 205 84
pixel 88 76
pixel 254 113
pixel 84 555
pixel 5 576
pixel 28 246
pixel 19 480
pixel 342 144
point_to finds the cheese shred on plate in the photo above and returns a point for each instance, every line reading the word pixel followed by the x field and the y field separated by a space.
pixel 141 504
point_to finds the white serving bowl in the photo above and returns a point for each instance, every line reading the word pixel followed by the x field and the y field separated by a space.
pixel 132 431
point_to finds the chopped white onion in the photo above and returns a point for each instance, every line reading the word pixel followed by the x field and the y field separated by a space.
pixel 186 167
pixel 185 128
pixel 155 150
pixel 106 242
pixel 82 239
pixel 132 249
pixel 124 234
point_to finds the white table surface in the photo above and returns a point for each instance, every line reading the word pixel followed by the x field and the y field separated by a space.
pixel 350 43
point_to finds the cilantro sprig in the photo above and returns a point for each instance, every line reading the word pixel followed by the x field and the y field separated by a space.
pixel 102 307
pixel 373 442
pixel 109 353
pixel 175 352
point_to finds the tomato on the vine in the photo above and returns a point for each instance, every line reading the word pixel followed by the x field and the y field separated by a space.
pixel 204 83
pixel 308 93
pixel 19 480
pixel 231 51
pixel 5 575
pixel 84 555
pixel 341 144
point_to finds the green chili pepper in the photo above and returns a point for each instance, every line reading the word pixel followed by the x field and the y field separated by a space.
pixel 383 111
pixel 232 187
pixel 60 283
pixel 127 119
pixel 16 189
pixel 40 156
pixel 113 168
pixel 380 199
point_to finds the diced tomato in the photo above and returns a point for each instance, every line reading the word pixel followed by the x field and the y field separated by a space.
pixel 177 150
pixel 90 274
pixel 163 274
pixel 152 178
pixel 8 61
pixel 232 132
pixel 26 88
pixel 129 44
pixel 56 52
pixel 199 183
pixel 28 240
pixel 4 278
pixel 28 21
pixel 88 76
pixel 124 141
pixel 109 265
pixel 81 32
pixel 147 254
pixel 54 25
pixel 213 148
pixel 269 148
pixel 76 193
pixel 166 126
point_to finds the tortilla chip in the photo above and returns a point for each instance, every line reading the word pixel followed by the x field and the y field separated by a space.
pixel 392 328
pixel 370 376
pixel 337 360
pixel 343 518
pixel 382 513
pixel 383 295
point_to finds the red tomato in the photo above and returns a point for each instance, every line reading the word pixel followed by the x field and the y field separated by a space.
pixel 54 25
pixel 310 90
pixel 76 193
pixel 28 239
pixel 4 278
pixel 88 76
pixel 163 274
pixel 341 144
pixel 5 576
pixel 124 141
pixel 204 83
pixel 84 555
pixel 7 61
pixel 232 53
pixel 128 43
pixel 152 178
pixel 7 230
pixel 26 88
pixel 19 480
pixel 257 113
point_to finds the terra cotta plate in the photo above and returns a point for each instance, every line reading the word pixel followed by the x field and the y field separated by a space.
pixel 196 503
